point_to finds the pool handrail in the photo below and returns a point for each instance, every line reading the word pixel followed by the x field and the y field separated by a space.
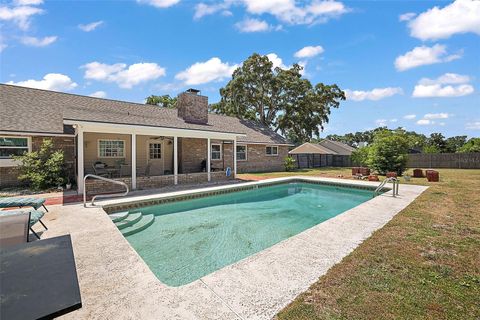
pixel 395 182
pixel 110 195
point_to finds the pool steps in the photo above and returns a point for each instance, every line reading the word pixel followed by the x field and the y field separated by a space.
pixel 130 223
pixel 144 223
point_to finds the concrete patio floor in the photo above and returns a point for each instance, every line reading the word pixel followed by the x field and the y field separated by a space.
pixel 115 282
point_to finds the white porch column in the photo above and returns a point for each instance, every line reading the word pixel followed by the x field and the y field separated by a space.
pixel 209 153
pixel 134 161
pixel 80 160
pixel 235 158
pixel 175 159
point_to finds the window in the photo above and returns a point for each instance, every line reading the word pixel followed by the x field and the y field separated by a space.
pixel 155 151
pixel 241 153
pixel 111 148
pixel 216 153
pixel 13 146
pixel 271 151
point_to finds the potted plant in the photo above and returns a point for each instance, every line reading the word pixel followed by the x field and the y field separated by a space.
pixel 68 186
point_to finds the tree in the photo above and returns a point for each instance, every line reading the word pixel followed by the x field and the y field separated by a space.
pixel 388 152
pixel 163 101
pixel 435 143
pixel 453 144
pixel 42 169
pixel 472 145
pixel 280 99
pixel 360 156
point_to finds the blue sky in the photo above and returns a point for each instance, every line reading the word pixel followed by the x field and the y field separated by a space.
pixel 413 64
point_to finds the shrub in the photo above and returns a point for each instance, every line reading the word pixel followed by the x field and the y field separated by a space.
pixel 388 152
pixel 360 156
pixel 472 145
pixel 289 163
pixel 42 169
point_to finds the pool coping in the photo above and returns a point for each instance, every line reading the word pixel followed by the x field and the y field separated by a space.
pixel 256 287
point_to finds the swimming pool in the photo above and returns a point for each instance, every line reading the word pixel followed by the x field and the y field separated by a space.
pixel 190 239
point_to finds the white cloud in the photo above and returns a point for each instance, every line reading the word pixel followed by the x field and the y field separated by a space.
pixel 119 73
pixel 424 55
pixel 309 51
pixel 375 94
pixel 447 85
pixel 98 94
pixel 203 9
pixel 447 78
pixel 19 15
pixel 425 122
pixel 276 61
pixel 461 16
pixel 381 122
pixel 410 116
pixel 27 2
pixel 473 125
pixel 287 10
pixel 38 42
pixel 159 3
pixel 406 16
pixel 90 26
pixel 204 72
pixel 252 25
pixel 436 116
pixel 51 81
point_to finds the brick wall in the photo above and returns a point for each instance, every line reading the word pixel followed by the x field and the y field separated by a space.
pixel 95 186
pixel 192 152
pixel 258 161
pixel 192 107
pixel 8 175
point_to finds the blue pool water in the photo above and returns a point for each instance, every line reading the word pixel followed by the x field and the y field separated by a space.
pixel 190 239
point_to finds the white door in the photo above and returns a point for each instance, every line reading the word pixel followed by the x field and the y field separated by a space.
pixel 155 157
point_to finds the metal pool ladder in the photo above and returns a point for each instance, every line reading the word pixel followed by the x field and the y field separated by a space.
pixel 395 182
pixel 102 195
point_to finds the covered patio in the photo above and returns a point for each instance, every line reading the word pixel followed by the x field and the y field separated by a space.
pixel 151 157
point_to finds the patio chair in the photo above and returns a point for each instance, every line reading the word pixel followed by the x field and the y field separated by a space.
pixel 35 216
pixel 99 168
pixel 14 202
pixel 14 228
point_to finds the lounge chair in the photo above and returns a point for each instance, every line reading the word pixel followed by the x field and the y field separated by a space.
pixel 35 216
pixel 22 202
pixel 14 228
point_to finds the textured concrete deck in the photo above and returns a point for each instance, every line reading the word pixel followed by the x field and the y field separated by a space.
pixel 115 283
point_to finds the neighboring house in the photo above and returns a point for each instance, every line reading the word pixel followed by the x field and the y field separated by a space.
pixel 326 153
pixel 145 146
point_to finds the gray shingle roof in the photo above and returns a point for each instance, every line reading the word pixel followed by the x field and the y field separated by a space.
pixel 34 110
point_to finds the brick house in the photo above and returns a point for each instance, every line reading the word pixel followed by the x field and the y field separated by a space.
pixel 142 145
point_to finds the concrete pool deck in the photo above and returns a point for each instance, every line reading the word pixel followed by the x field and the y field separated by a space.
pixel 116 283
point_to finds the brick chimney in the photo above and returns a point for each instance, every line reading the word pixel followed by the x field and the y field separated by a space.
pixel 193 107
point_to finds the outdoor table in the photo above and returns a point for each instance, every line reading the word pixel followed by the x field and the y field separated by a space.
pixel 38 280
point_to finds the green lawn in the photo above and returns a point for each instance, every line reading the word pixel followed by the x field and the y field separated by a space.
pixel 424 264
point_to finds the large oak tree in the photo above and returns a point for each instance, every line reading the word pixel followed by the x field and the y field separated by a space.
pixel 278 98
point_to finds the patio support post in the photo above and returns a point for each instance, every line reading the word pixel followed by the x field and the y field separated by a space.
pixel 235 158
pixel 80 160
pixel 134 161
pixel 175 160
pixel 208 158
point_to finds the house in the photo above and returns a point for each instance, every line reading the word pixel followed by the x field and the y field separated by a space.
pixel 326 153
pixel 145 146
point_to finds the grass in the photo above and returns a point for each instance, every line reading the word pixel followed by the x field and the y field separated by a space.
pixel 424 264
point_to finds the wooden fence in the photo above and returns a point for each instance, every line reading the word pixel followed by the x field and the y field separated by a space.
pixel 444 160
pixel 420 160
pixel 306 160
